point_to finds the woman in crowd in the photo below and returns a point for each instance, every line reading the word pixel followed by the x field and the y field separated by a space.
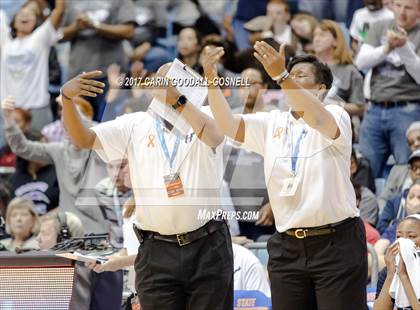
pixel 330 47
pixel 303 26
pixel 24 60
pixel 189 47
pixel 36 180
pixel 22 225
pixel 408 228
pixel 73 166
pixel 412 206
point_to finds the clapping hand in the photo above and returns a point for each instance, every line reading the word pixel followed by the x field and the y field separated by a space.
pixel 210 59
pixel 274 62
pixel 7 107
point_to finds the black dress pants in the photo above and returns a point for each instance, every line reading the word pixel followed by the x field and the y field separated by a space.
pixel 197 276
pixel 326 272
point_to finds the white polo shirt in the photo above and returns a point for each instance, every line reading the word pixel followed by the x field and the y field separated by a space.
pixel 325 194
pixel 201 170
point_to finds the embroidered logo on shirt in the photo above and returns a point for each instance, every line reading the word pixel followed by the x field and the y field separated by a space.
pixel 277 133
pixel 189 138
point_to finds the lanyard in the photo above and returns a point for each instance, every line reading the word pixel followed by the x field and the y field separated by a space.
pixel 295 148
pixel 164 147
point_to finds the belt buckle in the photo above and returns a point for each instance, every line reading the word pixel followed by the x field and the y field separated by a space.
pixel 300 236
pixel 182 239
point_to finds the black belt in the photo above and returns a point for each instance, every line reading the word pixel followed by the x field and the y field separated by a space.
pixel 301 233
pixel 392 104
pixel 181 239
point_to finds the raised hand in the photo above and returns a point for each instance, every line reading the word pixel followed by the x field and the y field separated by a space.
pixel 274 62
pixel 83 85
pixel 210 59
pixel 7 107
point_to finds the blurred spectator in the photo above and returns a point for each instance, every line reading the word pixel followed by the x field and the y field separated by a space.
pixel 367 205
pixel 23 119
pixel 36 180
pixel 54 132
pixel 245 11
pixel 372 235
pixel 409 228
pixel 373 11
pixel 189 47
pixel 248 272
pixel 71 164
pixel 24 61
pixel 330 47
pixel 279 13
pixel 214 40
pixel 390 50
pixel 58 227
pixel 259 28
pixel 22 224
pixel 361 172
pixel 116 94
pixel 242 163
pixel 5 197
pixel 401 205
pixel 96 30
pixel 326 9
pixel 111 194
pixel 303 26
pixel 401 176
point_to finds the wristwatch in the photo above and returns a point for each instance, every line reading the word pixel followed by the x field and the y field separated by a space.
pixel 182 100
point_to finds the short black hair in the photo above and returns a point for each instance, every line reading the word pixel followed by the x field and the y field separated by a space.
pixel 322 72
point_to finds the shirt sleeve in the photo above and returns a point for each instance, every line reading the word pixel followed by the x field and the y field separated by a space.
pixel 353 27
pixel 356 88
pixel 115 137
pixel 255 131
pixel 4 29
pixel 343 122
pixel 46 34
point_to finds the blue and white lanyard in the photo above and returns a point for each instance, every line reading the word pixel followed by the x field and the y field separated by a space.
pixel 164 147
pixel 295 148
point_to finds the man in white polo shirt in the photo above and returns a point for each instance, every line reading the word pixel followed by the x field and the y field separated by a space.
pixel 183 262
pixel 318 257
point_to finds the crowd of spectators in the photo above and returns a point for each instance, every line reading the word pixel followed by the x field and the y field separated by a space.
pixel 372 48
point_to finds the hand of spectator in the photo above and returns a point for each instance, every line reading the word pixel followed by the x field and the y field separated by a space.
pixel 137 70
pixel 114 76
pixel 241 240
pixel 390 254
pixel 395 39
pixel 7 107
pixel 140 51
pixel 274 62
pixel 83 85
pixel 227 26
pixel 210 59
pixel 402 269
pixel 266 217
pixel 83 21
